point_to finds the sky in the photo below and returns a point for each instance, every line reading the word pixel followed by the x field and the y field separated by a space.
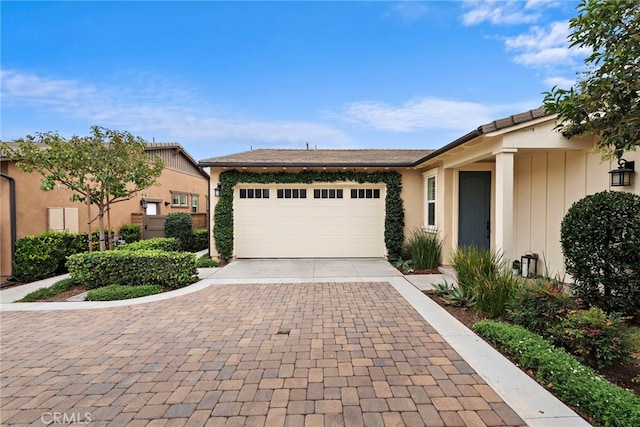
pixel 225 77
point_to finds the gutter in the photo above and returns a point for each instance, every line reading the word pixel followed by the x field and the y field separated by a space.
pixel 12 211
pixel 458 142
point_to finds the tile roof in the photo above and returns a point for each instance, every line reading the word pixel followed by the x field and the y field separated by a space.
pixel 319 158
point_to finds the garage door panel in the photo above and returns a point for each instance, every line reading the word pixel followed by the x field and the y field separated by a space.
pixel 309 227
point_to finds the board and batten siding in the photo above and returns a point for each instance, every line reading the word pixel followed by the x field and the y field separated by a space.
pixel 546 184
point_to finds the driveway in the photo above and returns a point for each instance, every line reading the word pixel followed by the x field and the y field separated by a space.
pixel 347 348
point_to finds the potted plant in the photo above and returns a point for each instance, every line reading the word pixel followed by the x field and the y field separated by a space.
pixel 516 267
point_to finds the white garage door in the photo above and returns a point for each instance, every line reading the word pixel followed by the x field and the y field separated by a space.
pixel 308 221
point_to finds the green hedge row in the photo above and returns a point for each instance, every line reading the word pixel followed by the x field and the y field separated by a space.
pixel 144 267
pixel 573 383
pixel 167 244
pixel 42 256
pixel 120 292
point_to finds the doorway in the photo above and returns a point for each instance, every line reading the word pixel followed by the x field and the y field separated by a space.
pixel 474 219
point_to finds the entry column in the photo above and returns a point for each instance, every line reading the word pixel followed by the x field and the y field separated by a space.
pixel 504 202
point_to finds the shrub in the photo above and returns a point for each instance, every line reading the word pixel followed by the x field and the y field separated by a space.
pixel 95 238
pixel 167 244
pixel 472 263
pixel 206 262
pixel 575 384
pixel 42 256
pixel 424 247
pixel 152 267
pixel 44 293
pixel 600 237
pixel 492 293
pixel 179 225
pixel 540 305
pixel 130 232
pixel 199 239
pixel 120 292
pixel 595 338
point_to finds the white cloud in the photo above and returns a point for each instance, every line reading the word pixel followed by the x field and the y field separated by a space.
pixel 500 12
pixel 423 113
pixel 157 108
pixel 409 10
pixel 561 82
pixel 544 46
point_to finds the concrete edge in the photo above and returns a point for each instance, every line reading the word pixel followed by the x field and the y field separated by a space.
pixel 532 402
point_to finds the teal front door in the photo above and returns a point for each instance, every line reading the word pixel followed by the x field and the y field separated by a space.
pixel 474 223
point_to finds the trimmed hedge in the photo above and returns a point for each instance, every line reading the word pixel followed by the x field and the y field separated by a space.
pixel 120 292
pixel 179 225
pixel 575 384
pixel 199 239
pixel 44 255
pixel 145 267
pixel 167 244
pixel 130 232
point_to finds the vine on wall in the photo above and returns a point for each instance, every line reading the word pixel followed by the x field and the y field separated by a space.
pixel 394 210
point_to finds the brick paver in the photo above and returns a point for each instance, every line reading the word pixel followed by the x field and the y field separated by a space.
pixel 316 354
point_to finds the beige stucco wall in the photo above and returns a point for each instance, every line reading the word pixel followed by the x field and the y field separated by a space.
pixel 32 204
pixel 547 183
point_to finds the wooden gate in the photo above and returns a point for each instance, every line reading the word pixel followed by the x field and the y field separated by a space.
pixel 153 226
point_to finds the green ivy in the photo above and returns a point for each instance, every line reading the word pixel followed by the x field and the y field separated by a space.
pixel 394 218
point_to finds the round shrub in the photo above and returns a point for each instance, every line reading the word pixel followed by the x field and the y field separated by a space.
pixel 600 238
pixel 179 225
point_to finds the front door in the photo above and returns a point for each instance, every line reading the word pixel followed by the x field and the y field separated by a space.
pixel 474 223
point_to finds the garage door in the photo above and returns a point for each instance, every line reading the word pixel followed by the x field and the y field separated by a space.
pixel 309 221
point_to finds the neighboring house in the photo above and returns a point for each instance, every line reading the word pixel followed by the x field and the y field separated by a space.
pixel 506 185
pixel 182 187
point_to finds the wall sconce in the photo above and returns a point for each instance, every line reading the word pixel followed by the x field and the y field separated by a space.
pixel 143 203
pixel 216 191
pixel 167 203
pixel 622 176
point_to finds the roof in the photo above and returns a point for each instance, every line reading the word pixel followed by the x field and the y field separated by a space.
pixel 319 158
pixel 493 126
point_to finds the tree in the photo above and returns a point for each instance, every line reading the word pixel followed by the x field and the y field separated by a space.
pixel 101 169
pixel 605 101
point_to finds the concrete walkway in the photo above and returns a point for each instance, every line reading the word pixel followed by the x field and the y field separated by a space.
pixel 264 342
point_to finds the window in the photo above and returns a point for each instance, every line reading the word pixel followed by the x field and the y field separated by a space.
pixel 292 193
pixel 254 193
pixel 180 199
pixel 431 201
pixel 365 193
pixel 194 203
pixel 328 193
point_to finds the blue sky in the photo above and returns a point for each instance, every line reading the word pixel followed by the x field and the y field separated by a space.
pixel 223 77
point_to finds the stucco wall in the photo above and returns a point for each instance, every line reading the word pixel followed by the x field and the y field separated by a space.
pixel 547 183
pixel 32 204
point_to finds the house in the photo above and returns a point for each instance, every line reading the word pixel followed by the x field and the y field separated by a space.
pixel 506 185
pixel 182 187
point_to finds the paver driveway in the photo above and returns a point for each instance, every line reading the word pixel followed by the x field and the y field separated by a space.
pixel 258 354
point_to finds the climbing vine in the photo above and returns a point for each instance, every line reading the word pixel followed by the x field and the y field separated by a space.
pixel 394 210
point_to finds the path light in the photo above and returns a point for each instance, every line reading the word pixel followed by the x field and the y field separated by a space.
pixel 216 191
pixel 622 176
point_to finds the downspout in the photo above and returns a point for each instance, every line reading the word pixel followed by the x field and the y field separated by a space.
pixel 209 216
pixel 12 214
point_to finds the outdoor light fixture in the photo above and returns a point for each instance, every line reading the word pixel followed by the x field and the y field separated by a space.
pixel 622 176
pixel 216 191
pixel 143 203
pixel 167 203
pixel 529 263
